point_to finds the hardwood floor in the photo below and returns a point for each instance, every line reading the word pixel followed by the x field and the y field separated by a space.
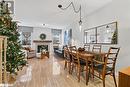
pixel 50 73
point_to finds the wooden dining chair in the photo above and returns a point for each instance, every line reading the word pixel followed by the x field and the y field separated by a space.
pixel 68 58
pixel 96 48
pixel 72 48
pixel 87 47
pixel 107 66
pixel 77 63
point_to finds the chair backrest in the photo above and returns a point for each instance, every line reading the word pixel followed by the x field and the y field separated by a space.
pixel 66 53
pixel 72 48
pixel 87 47
pixel 111 57
pixel 74 54
pixel 96 48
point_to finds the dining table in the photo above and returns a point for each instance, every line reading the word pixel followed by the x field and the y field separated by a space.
pixel 88 56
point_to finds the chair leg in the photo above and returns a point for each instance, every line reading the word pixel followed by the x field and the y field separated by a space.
pixel 99 75
pixel 69 67
pixel 114 79
pixel 65 65
pixel 91 69
pixel 103 81
pixel 92 72
pixel 79 71
pixel 89 73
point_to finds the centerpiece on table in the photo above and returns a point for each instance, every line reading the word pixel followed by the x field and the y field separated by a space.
pixel 81 49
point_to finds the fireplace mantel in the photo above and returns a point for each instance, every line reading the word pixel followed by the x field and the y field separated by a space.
pixel 42 41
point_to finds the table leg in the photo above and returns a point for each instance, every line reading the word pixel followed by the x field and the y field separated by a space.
pixel 87 71
pixel 92 69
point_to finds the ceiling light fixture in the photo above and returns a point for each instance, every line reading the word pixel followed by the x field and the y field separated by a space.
pixel 44 24
pixel 76 11
pixel 107 26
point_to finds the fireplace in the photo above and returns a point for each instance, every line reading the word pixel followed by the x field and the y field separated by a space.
pixel 42 47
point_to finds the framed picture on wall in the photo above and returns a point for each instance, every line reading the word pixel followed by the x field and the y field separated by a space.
pixel 26 38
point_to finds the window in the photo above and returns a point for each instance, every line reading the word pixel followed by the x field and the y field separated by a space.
pixel 57 36
pixel 106 34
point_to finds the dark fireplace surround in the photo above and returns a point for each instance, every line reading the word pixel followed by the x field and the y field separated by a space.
pixel 41 48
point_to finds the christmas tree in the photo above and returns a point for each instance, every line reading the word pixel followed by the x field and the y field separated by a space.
pixel 114 37
pixel 15 57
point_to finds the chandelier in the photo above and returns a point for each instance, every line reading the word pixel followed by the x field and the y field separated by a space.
pixel 76 11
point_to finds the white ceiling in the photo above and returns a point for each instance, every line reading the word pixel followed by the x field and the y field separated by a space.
pixel 38 12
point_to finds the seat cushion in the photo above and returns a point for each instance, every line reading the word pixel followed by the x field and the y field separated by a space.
pixel 82 62
pixel 99 68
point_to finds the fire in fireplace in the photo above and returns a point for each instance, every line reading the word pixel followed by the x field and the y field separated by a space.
pixel 42 47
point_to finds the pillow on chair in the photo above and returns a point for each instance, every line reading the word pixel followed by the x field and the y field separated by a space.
pixel 29 49
pixel 60 47
pixel 81 49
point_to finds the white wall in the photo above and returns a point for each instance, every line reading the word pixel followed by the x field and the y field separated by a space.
pixel 77 35
pixel 39 30
pixel 117 10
